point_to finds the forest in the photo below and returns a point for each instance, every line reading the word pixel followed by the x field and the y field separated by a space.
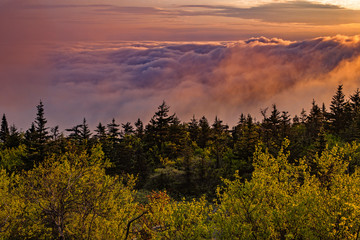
pixel 281 177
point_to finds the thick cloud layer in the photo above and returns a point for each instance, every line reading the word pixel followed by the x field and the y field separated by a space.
pixel 129 80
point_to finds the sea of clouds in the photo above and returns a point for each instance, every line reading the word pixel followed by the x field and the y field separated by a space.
pixel 127 80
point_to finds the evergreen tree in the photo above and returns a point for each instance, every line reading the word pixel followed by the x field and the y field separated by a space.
pixel 139 131
pixel 274 119
pixel 355 101
pixel 158 128
pixel 219 140
pixel 15 138
pixel 85 133
pixel 4 131
pixel 271 129
pixel 113 129
pixel 128 128
pixel 194 129
pixel 242 119
pixel 337 110
pixel 314 121
pixel 31 137
pixel 55 133
pixel 296 120
pixel 244 146
pixel 303 116
pixel 40 125
pixel 353 112
pixel 205 132
pixel 285 124
pixel 74 132
pixel 80 132
pixel 162 120
pixel 100 131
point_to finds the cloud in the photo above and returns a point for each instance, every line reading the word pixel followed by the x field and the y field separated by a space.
pixel 127 80
pixel 307 12
pixel 130 79
pixel 285 12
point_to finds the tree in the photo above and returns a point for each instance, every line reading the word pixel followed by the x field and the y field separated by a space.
pixel 10 205
pixel 303 116
pixel 244 147
pixel 55 133
pixel 74 132
pixel 170 219
pixel 159 124
pixel 355 101
pixel 4 131
pixel 15 138
pixel 353 109
pixel 271 129
pixel 161 118
pixel 205 132
pixel 194 129
pixel 100 132
pixel 80 132
pixel 40 125
pixel 128 128
pixel 287 201
pixel 314 121
pixel 139 131
pixel 85 133
pixel 284 124
pixel 337 110
pixel 219 139
pixel 69 196
pixel 113 130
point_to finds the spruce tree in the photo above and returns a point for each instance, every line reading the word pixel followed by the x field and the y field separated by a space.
pixel 40 124
pixel 55 133
pixel 314 121
pixel 80 132
pixel 74 132
pixel 139 131
pixel 355 101
pixel 84 130
pixel 205 132
pixel 113 129
pixel 219 138
pixel 337 110
pixel 158 128
pixel 15 138
pixel 100 131
pixel 193 128
pixel 161 120
pixel 285 124
pixel 128 128
pixel 4 131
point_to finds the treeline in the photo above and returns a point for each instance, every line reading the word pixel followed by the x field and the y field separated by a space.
pixel 187 158
pixel 70 196
pixel 278 178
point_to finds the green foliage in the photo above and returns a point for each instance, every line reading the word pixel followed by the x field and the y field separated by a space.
pixel 11 205
pixel 169 219
pixel 285 201
pixel 70 196
pixel 12 159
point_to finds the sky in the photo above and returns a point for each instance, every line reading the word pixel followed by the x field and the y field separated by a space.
pixel 120 59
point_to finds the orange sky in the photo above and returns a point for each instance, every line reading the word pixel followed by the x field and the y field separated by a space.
pixel 80 20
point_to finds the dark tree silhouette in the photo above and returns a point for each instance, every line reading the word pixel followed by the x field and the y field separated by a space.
pixel 4 131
